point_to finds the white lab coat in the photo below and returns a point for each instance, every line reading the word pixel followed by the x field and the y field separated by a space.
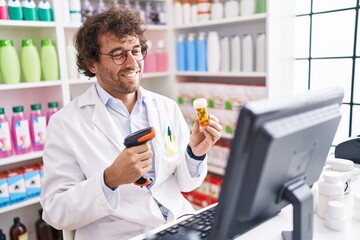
pixel 82 140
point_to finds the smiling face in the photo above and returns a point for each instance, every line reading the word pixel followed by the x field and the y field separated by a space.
pixel 120 81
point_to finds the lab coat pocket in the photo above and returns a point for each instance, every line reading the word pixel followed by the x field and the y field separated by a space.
pixel 119 229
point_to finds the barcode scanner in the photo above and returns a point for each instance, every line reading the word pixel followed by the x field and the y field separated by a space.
pixel 135 139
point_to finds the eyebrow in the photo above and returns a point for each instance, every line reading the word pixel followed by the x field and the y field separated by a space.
pixel 120 48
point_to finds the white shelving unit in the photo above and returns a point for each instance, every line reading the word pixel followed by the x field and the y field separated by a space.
pixel 277 23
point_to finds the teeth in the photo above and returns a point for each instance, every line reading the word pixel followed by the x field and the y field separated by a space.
pixel 130 75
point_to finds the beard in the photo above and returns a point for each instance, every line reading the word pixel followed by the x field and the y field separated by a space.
pixel 122 82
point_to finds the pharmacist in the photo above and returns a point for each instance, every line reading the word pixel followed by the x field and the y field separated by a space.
pixel 88 173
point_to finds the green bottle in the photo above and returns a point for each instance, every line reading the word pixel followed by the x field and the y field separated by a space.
pixel 260 6
pixel 49 60
pixel 10 64
pixel 30 61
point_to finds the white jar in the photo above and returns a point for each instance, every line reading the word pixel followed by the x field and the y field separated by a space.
pixel 213 51
pixel 231 8
pixel 330 188
pixel 335 218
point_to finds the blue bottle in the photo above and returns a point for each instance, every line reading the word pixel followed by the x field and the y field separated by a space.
pixel 201 52
pixel 191 53
pixel 180 53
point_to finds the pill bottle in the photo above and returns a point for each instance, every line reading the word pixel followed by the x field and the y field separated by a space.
pixel 200 106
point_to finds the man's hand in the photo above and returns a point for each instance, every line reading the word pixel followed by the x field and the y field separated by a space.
pixel 203 138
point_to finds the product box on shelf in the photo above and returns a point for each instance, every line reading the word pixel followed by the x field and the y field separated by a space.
pixel 32 181
pixel 17 187
pixel 4 191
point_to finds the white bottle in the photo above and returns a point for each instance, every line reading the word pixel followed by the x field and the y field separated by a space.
pixel 71 60
pixel 260 49
pixel 247 7
pixel 178 13
pixel 186 10
pixel 204 8
pixel 213 52
pixel 65 11
pixel 231 8
pixel 225 54
pixel 235 50
pixel 75 11
pixel 194 11
pixel 335 217
pixel 330 188
pixel 248 53
pixel 217 10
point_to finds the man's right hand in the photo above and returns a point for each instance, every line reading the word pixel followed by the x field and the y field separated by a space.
pixel 129 166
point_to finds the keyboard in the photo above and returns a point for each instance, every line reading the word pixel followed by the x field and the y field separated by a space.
pixel 197 227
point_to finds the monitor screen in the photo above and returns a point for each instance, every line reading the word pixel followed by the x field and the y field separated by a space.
pixel 278 151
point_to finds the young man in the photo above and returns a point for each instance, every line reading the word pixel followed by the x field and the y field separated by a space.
pixel 88 172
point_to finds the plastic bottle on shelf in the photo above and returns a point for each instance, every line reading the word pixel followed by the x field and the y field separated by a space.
pixel 75 11
pixel 186 10
pixel 260 65
pixel 20 131
pixel 161 57
pixel 10 64
pixel 45 11
pixel 49 60
pixel 194 11
pixel 29 10
pixel 87 10
pixel 178 13
pixel 15 10
pixel 161 12
pixel 2 235
pixel 248 53
pixel 180 53
pixel 213 52
pixel 204 10
pixel 231 8
pixel 43 230
pixel 149 18
pixel 6 148
pixel 4 14
pixel 191 53
pixel 52 108
pixel 37 127
pixel 18 230
pixel 30 61
pixel 329 188
pixel 100 7
pixel 140 10
pixel 150 64
pixel 235 54
pixel 217 10
pixel 201 52
pixel 247 7
pixel 71 60
pixel 260 6
pixel 225 54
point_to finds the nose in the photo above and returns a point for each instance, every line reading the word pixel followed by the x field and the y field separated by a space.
pixel 130 60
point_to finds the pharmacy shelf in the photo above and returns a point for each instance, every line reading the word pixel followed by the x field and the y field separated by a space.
pixel 20 205
pixel 259 17
pixel 217 170
pixel 11 24
pixel 21 158
pixel 30 85
pixel 221 74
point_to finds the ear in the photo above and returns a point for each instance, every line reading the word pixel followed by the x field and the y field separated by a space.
pixel 92 66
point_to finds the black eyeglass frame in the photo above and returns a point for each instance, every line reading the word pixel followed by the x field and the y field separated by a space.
pixel 143 53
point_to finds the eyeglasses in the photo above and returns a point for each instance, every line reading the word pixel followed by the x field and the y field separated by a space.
pixel 119 56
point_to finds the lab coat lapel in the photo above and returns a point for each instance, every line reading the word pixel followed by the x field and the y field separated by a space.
pixel 102 119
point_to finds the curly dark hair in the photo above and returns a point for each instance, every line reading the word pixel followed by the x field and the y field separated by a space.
pixel 120 20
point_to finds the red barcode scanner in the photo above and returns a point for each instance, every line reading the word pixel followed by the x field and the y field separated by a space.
pixel 135 139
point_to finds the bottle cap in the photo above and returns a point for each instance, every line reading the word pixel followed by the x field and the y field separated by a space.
pixel 18 109
pixel 16 220
pixel 47 42
pixel 7 42
pixel 2 111
pixel 200 103
pixel 52 104
pixel 335 216
pixel 36 106
pixel 331 176
pixel 27 42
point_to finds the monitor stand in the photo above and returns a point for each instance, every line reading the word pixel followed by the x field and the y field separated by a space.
pixel 300 196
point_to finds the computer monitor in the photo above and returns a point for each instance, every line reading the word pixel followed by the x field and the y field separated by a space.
pixel 278 152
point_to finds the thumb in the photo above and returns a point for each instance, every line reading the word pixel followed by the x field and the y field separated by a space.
pixel 196 126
